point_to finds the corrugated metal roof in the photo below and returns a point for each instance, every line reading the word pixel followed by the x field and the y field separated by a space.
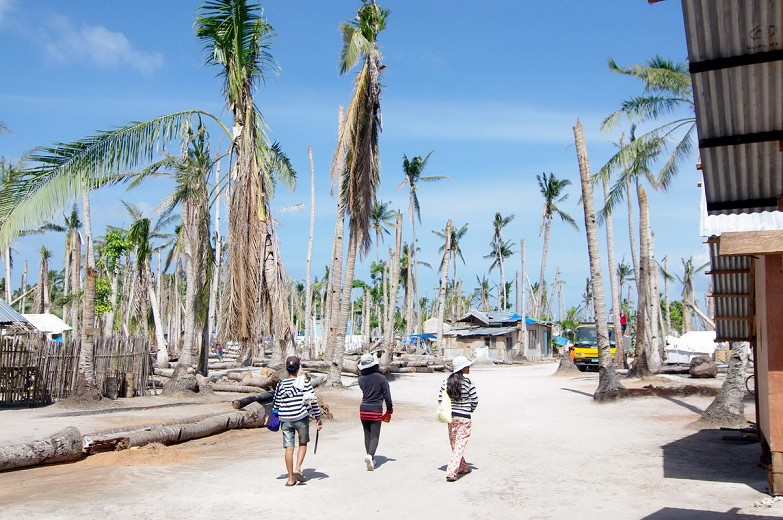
pixel 735 51
pixel 731 293
pixel 9 315
pixel 47 323
pixel 479 331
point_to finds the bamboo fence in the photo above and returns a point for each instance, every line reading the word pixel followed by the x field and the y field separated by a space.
pixel 35 371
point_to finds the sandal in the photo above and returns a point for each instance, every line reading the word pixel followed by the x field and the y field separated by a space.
pixel 289 484
pixel 299 477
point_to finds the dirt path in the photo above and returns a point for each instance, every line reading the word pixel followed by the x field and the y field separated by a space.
pixel 541 447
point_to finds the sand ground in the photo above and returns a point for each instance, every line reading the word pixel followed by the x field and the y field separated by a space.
pixel 541 449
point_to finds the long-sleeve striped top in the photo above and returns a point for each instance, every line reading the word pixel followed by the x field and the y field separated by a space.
pixel 293 404
pixel 467 404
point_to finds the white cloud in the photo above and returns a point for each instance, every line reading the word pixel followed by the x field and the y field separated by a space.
pixel 65 43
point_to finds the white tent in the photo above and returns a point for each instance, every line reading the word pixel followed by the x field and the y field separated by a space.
pixel 690 345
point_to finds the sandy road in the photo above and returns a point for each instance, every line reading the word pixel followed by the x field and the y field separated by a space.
pixel 541 448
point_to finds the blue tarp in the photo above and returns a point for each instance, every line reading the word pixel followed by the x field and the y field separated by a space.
pixel 530 321
pixel 415 338
pixel 559 340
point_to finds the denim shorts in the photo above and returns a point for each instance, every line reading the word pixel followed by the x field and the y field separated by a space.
pixel 300 427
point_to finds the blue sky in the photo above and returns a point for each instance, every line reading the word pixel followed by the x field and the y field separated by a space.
pixel 493 89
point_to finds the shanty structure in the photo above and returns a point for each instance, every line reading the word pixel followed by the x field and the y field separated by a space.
pixel 11 322
pixel 735 53
pixel 497 336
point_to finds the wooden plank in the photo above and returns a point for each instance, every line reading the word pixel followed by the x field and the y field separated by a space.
pixel 751 243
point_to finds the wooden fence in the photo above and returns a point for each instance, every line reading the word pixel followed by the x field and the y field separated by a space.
pixel 35 371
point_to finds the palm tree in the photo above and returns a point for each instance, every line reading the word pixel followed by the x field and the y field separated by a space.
pixel 499 248
pixel 412 171
pixel 356 160
pixel 482 292
pixel 552 189
pixel 608 384
pixel 667 91
pixel 444 274
pixel 500 251
pixel 381 219
pixel 624 274
pixel 237 40
pixel 140 234
pixel 456 236
pixel 190 172
pixel 42 299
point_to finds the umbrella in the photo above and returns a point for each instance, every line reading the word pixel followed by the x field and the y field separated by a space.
pixel 315 449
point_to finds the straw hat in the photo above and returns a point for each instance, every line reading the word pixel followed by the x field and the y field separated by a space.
pixel 367 360
pixel 459 363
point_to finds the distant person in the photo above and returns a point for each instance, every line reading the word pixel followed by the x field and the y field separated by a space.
pixel 623 321
pixel 220 351
pixel 464 401
pixel 295 403
pixel 375 391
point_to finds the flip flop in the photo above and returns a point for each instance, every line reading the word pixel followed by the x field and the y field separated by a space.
pixel 299 477
pixel 289 484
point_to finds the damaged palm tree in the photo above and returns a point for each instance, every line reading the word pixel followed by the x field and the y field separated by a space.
pixel 237 38
pixel 608 384
pixel 356 159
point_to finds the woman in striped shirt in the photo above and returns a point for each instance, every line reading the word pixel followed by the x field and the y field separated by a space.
pixel 295 403
pixel 375 391
pixel 464 401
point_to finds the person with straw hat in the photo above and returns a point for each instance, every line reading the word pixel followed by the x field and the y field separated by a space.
pixel 375 391
pixel 464 401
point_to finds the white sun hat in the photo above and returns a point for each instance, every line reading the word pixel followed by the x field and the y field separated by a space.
pixel 459 363
pixel 367 360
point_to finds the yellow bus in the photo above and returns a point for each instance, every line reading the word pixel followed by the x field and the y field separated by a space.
pixel 585 351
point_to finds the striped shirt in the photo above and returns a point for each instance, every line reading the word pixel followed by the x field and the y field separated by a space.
pixel 467 404
pixel 292 404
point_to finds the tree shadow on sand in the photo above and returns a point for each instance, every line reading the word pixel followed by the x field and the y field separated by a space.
pixel 705 455
pixel 675 513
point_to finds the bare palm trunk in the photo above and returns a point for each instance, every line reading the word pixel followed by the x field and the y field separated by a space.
pixel 413 268
pixel 394 282
pixel 666 295
pixel 216 266
pixel 162 349
pixel 619 356
pixel 309 287
pixel 653 303
pixel 23 303
pixel 444 274
pixel 333 300
pixel 523 299
pixel 608 384
pixel 108 327
pixel 541 290
pixel 728 408
pixel 345 304
pixel 274 287
pixel 641 366
pixel 409 295
pixel 631 230
pixel 7 257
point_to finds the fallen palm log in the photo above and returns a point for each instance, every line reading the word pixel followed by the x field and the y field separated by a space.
pixel 63 446
pixel 224 365
pixel 170 372
pixel 262 398
pixel 349 366
pixel 253 416
pixel 233 387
